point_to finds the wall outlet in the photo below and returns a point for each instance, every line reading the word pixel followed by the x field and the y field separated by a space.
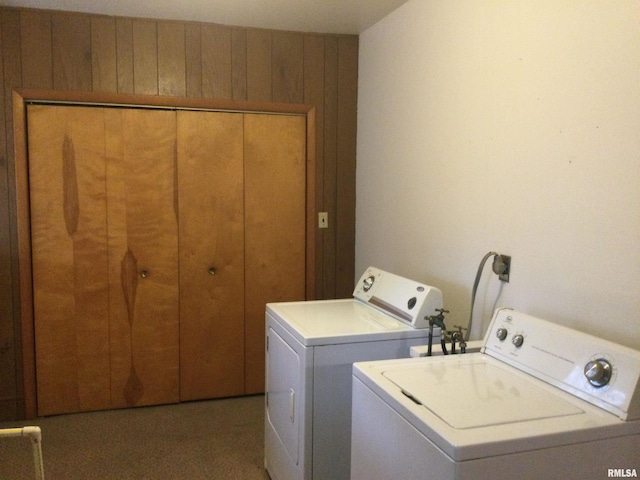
pixel 323 219
pixel 502 267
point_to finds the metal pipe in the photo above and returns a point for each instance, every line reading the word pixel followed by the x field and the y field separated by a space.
pixel 35 436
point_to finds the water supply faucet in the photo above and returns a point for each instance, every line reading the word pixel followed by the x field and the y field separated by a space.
pixel 439 321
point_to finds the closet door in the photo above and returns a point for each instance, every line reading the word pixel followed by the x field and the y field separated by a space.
pixel 275 203
pixel 143 256
pixel 105 257
pixel 211 205
pixel 67 186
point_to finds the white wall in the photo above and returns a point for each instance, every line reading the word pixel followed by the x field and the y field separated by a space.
pixel 509 126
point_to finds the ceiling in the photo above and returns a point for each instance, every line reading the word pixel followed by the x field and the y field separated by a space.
pixel 320 16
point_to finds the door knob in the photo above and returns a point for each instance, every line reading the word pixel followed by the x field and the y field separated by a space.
pixel 212 271
pixel 144 273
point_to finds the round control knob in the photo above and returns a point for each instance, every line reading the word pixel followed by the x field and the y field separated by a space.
pixel 518 340
pixel 598 372
pixel 368 283
pixel 501 333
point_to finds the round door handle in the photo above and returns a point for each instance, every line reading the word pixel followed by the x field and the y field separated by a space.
pixel 144 274
pixel 212 271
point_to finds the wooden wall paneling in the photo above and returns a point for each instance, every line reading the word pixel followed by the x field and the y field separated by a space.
pixel 275 172
pixel 11 388
pixel 287 68
pixel 71 51
pixel 259 65
pixel 239 63
pixel 36 49
pixel 211 206
pixel 69 257
pixel 124 55
pixel 311 223
pixel 104 66
pixel 145 57
pixel 143 237
pixel 28 63
pixel 330 166
pixel 314 95
pixel 216 61
pixel 8 359
pixel 193 46
pixel 23 287
pixel 172 59
pixel 346 165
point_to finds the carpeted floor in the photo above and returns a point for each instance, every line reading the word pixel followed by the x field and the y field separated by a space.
pixel 213 439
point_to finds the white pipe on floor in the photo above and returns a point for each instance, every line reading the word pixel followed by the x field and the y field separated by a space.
pixel 35 435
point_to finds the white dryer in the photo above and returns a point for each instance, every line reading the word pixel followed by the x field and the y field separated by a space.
pixel 311 347
pixel 539 401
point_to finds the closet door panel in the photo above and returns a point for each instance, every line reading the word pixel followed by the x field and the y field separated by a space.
pixel 275 205
pixel 69 257
pixel 210 186
pixel 143 253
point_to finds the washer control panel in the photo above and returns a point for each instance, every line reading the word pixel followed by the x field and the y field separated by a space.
pixel 596 370
pixel 405 300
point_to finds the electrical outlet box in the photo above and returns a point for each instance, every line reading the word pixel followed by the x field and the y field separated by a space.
pixel 323 219
pixel 504 276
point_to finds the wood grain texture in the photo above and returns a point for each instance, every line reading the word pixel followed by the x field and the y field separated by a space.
pixel 346 164
pixel 36 49
pixel 330 166
pixel 70 197
pixel 216 61
pixel 287 67
pixel 8 332
pixel 71 46
pixel 171 59
pixel 124 53
pixel 133 388
pixel 141 216
pixel 71 295
pixel 314 94
pixel 28 62
pixel 259 65
pixel 193 45
pixel 275 226
pixel 145 57
pixel 104 58
pixel 239 63
pixel 211 185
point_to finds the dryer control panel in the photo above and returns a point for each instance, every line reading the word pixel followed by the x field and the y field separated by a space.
pixel 406 300
pixel 600 372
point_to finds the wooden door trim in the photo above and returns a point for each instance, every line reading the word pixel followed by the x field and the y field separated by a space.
pixel 21 97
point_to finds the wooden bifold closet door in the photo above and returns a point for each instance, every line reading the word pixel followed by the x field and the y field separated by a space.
pixel 157 238
pixel 104 253
pixel 211 185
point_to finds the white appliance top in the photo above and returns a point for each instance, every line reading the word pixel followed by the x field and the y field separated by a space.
pixel 329 322
pixel 512 398
pixel 385 306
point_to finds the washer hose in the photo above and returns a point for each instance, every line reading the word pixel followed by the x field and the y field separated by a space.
pixel 475 288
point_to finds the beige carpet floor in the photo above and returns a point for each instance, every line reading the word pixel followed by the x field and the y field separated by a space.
pixel 213 439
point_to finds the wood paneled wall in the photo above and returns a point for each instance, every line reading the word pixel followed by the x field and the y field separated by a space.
pixel 43 49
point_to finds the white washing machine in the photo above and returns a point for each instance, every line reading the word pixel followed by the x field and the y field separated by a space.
pixel 539 401
pixel 311 347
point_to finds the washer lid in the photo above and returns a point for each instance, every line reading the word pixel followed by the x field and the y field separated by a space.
pixel 477 394
pixel 541 416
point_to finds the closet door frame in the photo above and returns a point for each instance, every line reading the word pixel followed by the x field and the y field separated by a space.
pixel 22 97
